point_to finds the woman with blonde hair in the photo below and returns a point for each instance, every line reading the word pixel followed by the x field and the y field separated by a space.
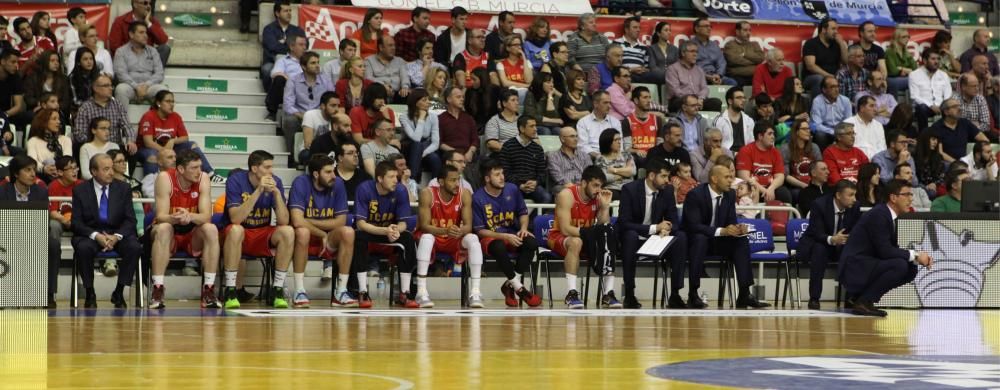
pixel 436 80
pixel 511 70
pixel 352 83
pixel 898 61
pixel 537 45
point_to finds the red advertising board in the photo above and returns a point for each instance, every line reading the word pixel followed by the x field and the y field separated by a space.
pixel 327 25
pixel 97 15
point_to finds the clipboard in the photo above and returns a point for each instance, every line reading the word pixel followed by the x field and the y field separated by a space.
pixel 656 245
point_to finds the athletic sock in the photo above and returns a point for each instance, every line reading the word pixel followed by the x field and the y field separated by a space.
pixel 421 285
pixel 609 283
pixel 570 282
pixel 342 282
pixel 230 278
pixel 279 278
pixel 300 281
pixel 515 283
pixel 404 281
pixel 158 280
pixel 363 281
pixel 475 285
pixel 210 279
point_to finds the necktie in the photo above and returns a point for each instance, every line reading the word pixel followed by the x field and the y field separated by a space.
pixel 840 218
pixel 647 217
pixel 103 211
pixel 715 211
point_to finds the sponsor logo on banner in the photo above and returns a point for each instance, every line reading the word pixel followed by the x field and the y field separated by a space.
pixel 226 144
pixel 569 7
pixel 98 15
pixel 325 26
pixel 733 9
pixel 216 113
pixel 207 85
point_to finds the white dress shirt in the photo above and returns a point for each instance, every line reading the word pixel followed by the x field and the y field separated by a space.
pixel 589 130
pixel 913 253
pixel 868 136
pixel 927 89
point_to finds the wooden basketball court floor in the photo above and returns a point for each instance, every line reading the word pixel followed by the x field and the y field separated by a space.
pixel 446 348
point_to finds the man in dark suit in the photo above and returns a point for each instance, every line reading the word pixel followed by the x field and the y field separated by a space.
pixel 104 220
pixel 831 219
pixel 710 223
pixel 872 263
pixel 25 187
pixel 648 208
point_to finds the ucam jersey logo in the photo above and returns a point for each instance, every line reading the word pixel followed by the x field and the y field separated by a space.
pixel 865 371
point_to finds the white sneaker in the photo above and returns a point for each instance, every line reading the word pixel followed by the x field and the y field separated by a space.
pixel 217 178
pixel 110 268
pixel 476 301
pixel 189 271
pixel 327 274
pixel 425 302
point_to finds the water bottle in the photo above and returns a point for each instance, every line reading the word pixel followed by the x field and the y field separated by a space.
pixel 380 289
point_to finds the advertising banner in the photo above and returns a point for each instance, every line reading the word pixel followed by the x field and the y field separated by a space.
pixel 808 11
pixel 97 15
pixel 569 7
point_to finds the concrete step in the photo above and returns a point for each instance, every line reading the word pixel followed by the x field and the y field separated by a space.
pixel 239 159
pixel 253 142
pixel 198 6
pixel 229 31
pixel 260 127
pixel 211 73
pixel 227 99
pixel 203 111
pixel 207 53
pixel 214 84
pixel 280 170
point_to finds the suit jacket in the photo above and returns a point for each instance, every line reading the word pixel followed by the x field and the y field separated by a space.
pixel 872 240
pixel 633 208
pixel 821 221
pixel 37 193
pixel 86 210
pixel 697 217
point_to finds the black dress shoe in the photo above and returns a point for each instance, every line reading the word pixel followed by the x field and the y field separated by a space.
pixel 748 300
pixel 866 309
pixel 813 304
pixel 52 302
pixel 91 300
pixel 695 302
pixel 848 303
pixel 631 302
pixel 118 299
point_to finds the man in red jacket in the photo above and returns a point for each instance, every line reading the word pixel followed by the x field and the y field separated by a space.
pixel 141 10
pixel 842 157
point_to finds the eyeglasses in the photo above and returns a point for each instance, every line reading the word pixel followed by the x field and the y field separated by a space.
pixel 310 93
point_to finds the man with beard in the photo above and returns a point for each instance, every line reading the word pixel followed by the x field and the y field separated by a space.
pixel 761 164
pixel 831 219
pixel 929 87
pixel 736 125
pixel 317 204
pixel 338 133
pixel 317 122
pixel 885 103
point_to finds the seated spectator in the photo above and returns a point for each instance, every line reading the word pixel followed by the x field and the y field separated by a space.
pixel 101 104
pixel 980 46
pixel 100 56
pixel 457 160
pixel 853 77
pixel 901 120
pixel 166 159
pixel 474 56
pixel 347 50
pixel 24 187
pixel 379 149
pixel 736 125
pixel 818 175
pixel 635 55
pixel 41 26
pixel 480 98
pixel 45 139
pixel 587 46
pixel 743 56
pixel 538 46
pixel 45 76
pixel 842 157
pixel 412 188
pixel 930 165
pixel 685 78
pixel 542 103
pixel 82 78
pixel 793 104
pixel 373 106
pixel 973 105
pixel 760 163
pixel 503 125
pixel 621 105
pixel 423 133
pixel 682 180
pixel 523 162
pixel 326 143
pixel 828 109
pixel 142 12
pixel 955 132
pixel 283 70
pixel 459 131
pixel 120 166
pixel 798 154
pixel 512 70
pixel 274 40
pixel 708 157
pixel 457 37
pixel 559 67
pixel 423 65
pixel 163 128
pixel 870 136
pixel 5 44
pixel 949 63
pixel 576 103
pixel 904 172
pixel 61 212
pixel 100 137
pixel 643 127
pixel 951 201
pixel 140 75
pixel 822 56
pixel 316 122
pixel 302 93
pixel 672 151
pixel 874 54
pixel 369 34
pixel 982 162
pixel 898 153
pixel 387 69
pixel 885 103
pixel 898 61
pixel 566 164
pixel 617 164
pixel 349 168
pixel 601 75
pixel 352 83
pixel 408 39
pixel 662 53
pixel 31 46
pixel 691 121
pixel 929 87
pixel 770 76
pixel 764 110
pixel 590 127
pixel 437 82
pixel 869 185
pixel 710 57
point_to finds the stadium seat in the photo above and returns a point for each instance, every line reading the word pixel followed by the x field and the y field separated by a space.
pixel 762 249
pixel 794 230
pixel 719 92
pixel 549 142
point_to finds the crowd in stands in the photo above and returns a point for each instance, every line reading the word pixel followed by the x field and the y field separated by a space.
pixel 474 99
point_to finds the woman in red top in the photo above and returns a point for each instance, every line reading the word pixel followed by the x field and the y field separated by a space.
pixel 799 153
pixel 512 72
pixel 352 83
pixel 162 128
pixel 368 35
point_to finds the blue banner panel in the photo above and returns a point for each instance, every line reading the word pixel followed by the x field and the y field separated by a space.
pixel 852 12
